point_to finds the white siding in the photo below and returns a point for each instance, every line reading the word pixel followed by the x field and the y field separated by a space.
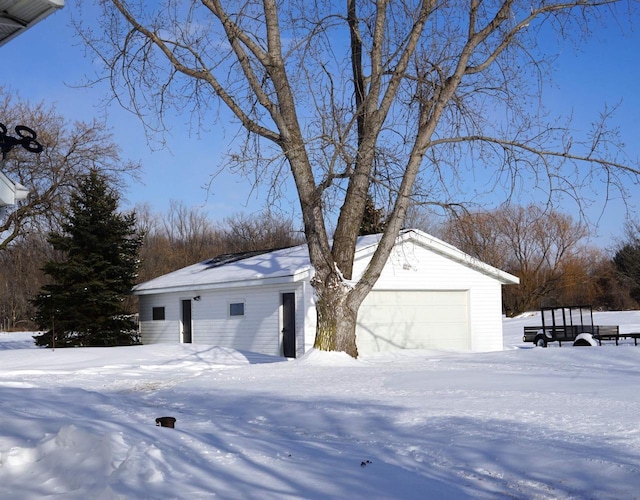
pixel 259 330
pixel 160 331
pixel 413 267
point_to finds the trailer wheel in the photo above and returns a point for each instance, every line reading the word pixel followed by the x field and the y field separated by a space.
pixel 585 339
pixel 541 341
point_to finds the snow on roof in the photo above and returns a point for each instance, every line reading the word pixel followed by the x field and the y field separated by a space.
pixel 225 270
pixel 237 269
pixel 290 264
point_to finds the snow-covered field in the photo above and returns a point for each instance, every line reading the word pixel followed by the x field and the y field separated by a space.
pixel 522 423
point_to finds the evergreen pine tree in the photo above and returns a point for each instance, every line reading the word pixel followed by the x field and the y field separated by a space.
pixel 627 263
pixel 84 303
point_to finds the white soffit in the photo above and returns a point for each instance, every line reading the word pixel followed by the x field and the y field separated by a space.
pixel 11 191
pixel 16 16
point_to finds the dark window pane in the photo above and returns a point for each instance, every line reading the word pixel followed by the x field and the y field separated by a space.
pixel 236 309
pixel 158 314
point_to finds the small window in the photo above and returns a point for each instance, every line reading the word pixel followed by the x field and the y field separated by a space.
pixel 158 314
pixel 236 309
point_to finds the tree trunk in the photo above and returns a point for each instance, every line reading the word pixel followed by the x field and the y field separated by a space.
pixel 336 316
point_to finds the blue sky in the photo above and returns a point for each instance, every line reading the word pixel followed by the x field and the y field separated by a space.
pixel 47 61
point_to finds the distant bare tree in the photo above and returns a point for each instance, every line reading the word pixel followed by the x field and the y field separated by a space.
pixel 544 248
pixel 265 231
pixel 180 237
pixel 586 278
pixel 155 257
pixel 614 293
pixel 422 218
pixel 481 235
pixel 186 235
pixel 407 96
pixel 70 150
pixel 21 279
pixel 190 232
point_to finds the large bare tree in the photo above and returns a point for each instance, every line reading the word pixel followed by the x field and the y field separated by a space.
pixel 400 99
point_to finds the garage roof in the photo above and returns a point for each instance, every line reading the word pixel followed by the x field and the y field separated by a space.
pixel 293 262
pixel 18 15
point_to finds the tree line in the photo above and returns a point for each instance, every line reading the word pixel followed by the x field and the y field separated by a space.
pixel 550 252
pixel 547 250
pixel 186 235
pixel 179 237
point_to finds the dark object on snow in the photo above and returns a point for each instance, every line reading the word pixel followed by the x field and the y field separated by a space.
pixel 365 463
pixel 166 422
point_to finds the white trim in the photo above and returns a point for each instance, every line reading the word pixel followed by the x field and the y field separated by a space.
pixel 10 191
pixel 181 299
pixel 291 278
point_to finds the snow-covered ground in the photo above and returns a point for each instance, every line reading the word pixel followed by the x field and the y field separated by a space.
pixel 562 422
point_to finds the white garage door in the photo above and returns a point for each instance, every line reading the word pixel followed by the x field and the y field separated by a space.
pixel 390 320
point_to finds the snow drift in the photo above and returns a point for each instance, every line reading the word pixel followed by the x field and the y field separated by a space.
pixel 524 422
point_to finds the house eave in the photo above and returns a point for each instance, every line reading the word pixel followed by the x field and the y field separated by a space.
pixel 10 191
pixel 18 16
pixel 193 280
pixel 443 248
pixel 196 287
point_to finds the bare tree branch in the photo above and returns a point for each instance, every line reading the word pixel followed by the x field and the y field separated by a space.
pixel 397 98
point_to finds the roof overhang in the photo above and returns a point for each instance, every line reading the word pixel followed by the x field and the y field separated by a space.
pixel 16 16
pixel 195 278
pixel 227 285
pixel 10 191
pixel 443 248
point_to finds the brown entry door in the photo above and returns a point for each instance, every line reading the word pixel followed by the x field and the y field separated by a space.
pixel 289 325
pixel 186 321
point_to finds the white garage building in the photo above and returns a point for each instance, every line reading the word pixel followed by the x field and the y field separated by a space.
pixel 430 296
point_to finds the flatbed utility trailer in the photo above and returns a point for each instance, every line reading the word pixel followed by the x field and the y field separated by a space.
pixel 572 324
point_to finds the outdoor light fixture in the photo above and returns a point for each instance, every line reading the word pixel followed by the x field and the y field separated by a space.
pixel 26 138
pixel 11 191
pixel 196 298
